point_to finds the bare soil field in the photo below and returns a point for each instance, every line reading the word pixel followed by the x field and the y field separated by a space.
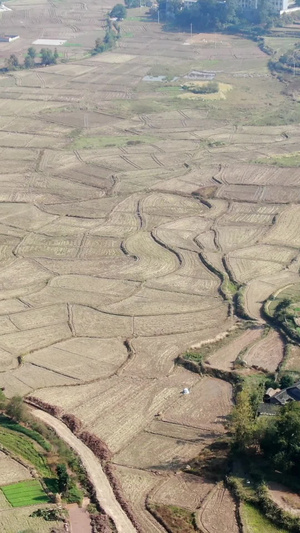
pixel 11 471
pixel 293 360
pixel 218 508
pixel 225 357
pixel 13 519
pixel 266 353
pixel 123 206
pixel 287 500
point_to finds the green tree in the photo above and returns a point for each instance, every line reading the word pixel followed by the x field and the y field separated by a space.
pixel 243 421
pixel 31 52
pixel 280 441
pixel 48 57
pixel 134 3
pixel 109 39
pixel 3 400
pixel 15 409
pixel 119 12
pixel 63 478
pixel 29 62
pixel 12 63
pixel 286 381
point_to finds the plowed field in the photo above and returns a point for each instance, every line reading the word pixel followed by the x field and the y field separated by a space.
pixel 126 214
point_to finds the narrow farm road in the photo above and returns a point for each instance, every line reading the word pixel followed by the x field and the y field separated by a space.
pixel 92 465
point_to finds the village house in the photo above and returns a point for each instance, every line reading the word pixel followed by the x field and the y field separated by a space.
pixel 275 398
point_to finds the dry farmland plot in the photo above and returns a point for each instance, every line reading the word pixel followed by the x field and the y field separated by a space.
pixel 293 360
pixel 267 353
pixel 11 471
pixel 225 357
pixel 182 490
pixel 218 508
pixel 19 518
pixel 121 207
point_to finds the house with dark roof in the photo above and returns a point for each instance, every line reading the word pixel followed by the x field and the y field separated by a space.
pixel 276 398
pixel 290 394
pixel 267 409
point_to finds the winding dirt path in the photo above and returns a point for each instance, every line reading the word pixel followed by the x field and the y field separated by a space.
pixel 92 465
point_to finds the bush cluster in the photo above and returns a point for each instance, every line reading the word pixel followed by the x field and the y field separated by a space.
pixel 209 88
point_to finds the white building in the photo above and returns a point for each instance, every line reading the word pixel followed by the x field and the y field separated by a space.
pixel 276 5
pixel 189 3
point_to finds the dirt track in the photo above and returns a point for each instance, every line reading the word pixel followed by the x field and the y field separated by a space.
pixel 104 491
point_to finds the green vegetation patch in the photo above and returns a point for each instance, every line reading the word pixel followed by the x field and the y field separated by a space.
pixel 288 160
pixel 281 45
pixel 292 292
pixel 208 88
pixel 85 143
pixel 286 113
pixel 175 519
pixel 71 45
pixel 170 88
pixel 25 493
pixel 10 424
pixel 22 446
pixel 256 522
pixel 282 309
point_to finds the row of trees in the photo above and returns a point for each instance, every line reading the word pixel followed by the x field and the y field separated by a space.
pixel 213 15
pixel 112 32
pixel 47 57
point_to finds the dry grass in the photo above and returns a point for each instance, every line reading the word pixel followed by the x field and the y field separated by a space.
pixel 110 189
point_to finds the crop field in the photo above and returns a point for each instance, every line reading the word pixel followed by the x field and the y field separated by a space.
pixel 218 508
pixel 267 353
pixel 18 519
pixel 123 207
pixel 11 471
pixel 256 521
pixel 24 493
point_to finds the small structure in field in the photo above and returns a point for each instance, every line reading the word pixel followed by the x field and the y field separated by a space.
pixel 8 38
pixel 186 391
pixel 50 42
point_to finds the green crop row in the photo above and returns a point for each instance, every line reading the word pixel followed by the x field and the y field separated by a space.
pixel 24 493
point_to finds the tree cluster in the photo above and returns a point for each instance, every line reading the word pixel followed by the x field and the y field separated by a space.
pixel 214 15
pixel 280 441
pixel 112 34
pixel 49 514
pixel 132 3
pixel 119 12
pixel 46 55
pixel 288 62
pixel 276 438
pixel 208 88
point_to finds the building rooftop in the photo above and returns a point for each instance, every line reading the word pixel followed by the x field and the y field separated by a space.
pixel 289 394
pixel 267 409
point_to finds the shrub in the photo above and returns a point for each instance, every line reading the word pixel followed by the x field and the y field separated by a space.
pixel 209 88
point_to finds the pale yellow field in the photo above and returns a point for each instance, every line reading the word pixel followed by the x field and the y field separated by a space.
pixel 123 208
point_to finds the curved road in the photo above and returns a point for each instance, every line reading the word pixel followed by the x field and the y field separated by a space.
pixel 104 492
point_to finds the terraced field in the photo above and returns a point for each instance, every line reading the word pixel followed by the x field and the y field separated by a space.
pixel 129 218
